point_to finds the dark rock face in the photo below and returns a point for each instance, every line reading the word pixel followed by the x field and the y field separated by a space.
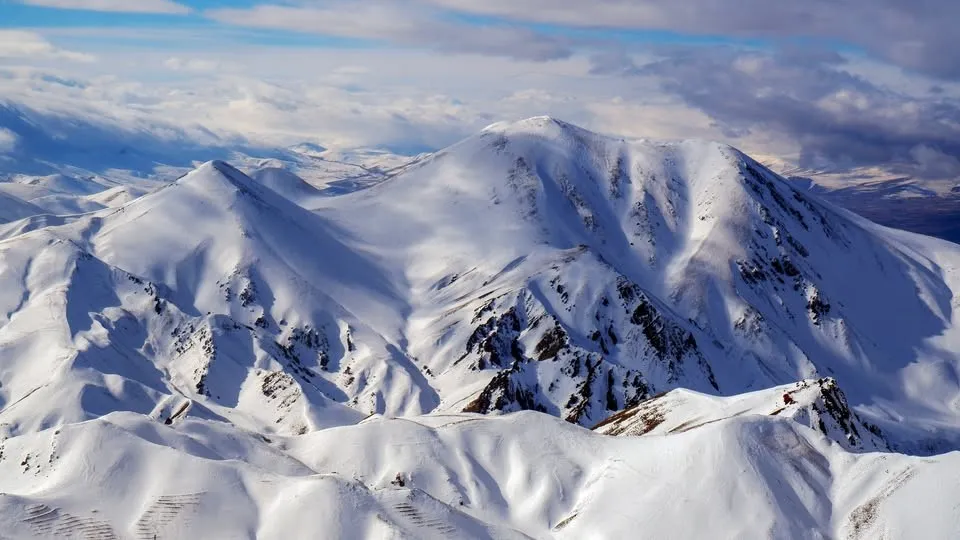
pixel 503 392
pixel 833 403
pixel 672 343
pixel 305 342
pixel 818 308
pixel 495 341
pixel 544 365
pixel 552 342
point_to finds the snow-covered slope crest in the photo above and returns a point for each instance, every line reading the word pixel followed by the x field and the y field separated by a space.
pixel 287 184
pixel 819 404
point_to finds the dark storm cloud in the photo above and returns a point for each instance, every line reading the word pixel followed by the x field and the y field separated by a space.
pixel 916 34
pixel 838 118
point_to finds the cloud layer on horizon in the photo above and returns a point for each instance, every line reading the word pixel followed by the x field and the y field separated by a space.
pixel 811 82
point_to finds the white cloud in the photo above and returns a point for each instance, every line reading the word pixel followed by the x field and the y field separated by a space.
pixel 195 65
pixel 8 140
pixel 934 163
pixel 23 44
pixel 125 6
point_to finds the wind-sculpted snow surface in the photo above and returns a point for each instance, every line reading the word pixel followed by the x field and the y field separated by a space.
pixel 525 475
pixel 229 356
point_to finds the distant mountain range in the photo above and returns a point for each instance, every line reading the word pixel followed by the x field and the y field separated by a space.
pixel 901 203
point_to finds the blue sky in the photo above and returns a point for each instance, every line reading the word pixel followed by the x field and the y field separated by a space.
pixel 18 15
pixel 838 84
pixel 15 14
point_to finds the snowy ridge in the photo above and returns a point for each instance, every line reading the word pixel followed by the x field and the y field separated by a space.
pixel 287 184
pixel 818 404
pixel 13 208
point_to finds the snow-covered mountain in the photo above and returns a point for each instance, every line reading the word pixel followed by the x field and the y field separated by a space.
pixel 750 355
pixel 551 268
pixel 525 475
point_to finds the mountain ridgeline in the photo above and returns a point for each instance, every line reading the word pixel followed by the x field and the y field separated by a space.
pixel 535 266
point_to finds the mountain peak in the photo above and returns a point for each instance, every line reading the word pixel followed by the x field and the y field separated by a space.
pixel 218 169
pixel 221 166
pixel 534 124
pixel 680 287
pixel 219 181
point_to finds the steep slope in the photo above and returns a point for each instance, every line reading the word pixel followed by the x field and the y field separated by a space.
pixel 555 269
pixel 534 266
pixel 13 208
pixel 902 204
pixel 287 184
